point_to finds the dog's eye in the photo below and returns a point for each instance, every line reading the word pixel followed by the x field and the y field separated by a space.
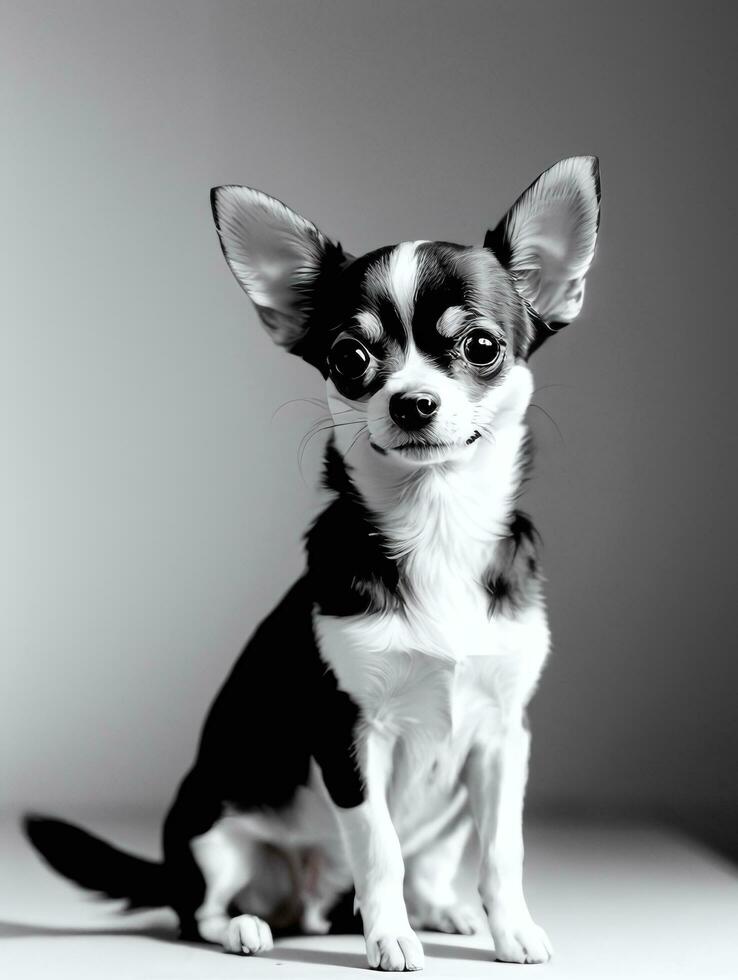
pixel 481 348
pixel 349 359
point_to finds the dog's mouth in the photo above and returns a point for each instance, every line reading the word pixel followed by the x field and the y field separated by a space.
pixel 425 450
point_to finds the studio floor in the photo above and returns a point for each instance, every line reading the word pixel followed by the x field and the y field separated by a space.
pixel 626 901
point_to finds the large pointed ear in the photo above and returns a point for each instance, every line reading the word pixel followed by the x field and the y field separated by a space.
pixel 547 239
pixel 279 258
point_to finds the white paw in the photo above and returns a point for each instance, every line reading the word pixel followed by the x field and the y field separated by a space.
pixel 460 919
pixel 394 953
pixel 247 934
pixel 518 939
pixel 313 922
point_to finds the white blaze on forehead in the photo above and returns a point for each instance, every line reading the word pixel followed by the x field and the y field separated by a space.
pixel 401 279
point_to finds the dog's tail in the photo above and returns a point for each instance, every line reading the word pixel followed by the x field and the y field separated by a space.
pixel 97 865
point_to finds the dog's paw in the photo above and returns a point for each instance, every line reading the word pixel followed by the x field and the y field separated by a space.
pixel 395 953
pixel 313 922
pixel 518 939
pixel 247 934
pixel 462 920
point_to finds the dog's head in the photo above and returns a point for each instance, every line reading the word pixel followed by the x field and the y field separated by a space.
pixel 423 345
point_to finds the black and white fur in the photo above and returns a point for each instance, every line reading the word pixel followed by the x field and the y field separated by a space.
pixel 376 718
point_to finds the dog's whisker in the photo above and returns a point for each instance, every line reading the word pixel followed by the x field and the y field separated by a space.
pixel 546 387
pixel 316 402
pixel 360 433
pixel 344 411
pixel 306 440
pixel 316 430
pixel 551 420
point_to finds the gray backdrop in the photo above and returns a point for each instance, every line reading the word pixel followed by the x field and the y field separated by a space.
pixel 152 507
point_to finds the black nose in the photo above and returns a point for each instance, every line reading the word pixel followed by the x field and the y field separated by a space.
pixel 414 409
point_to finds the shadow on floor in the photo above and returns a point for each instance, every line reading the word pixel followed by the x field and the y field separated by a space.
pixel 326 957
pixel 459 952
pixel 285 954
pixel 23 930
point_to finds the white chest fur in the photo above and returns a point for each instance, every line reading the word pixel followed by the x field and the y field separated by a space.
pixel 430 683
pixel 441 669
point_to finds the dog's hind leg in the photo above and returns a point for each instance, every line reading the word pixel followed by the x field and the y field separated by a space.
pixel 325 877
pixel 206 868
pixel 195 810
pixel 430 881
pixel 227 860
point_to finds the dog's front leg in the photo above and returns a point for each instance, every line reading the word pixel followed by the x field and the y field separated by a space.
pixel 496 777
pixel 374 855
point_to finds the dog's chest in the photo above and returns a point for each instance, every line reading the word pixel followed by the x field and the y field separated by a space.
pixel 436 669
pixel 441 667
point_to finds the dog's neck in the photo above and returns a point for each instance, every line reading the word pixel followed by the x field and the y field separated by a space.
pixel 444 518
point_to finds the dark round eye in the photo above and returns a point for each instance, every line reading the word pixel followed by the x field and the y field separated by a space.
pixel 481 348
pixel 349 359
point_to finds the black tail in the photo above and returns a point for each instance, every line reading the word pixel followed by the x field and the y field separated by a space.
pixel 97 865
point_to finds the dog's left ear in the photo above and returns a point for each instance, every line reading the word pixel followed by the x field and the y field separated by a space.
pixel 547 240
pixel 278 257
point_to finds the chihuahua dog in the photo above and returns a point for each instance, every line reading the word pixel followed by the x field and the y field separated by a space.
pixel 376 719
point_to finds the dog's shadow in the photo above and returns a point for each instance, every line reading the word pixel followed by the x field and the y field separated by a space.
pixel 285 954
pixel 324 957
pixel 162 933
pixel 24 930
pixel 453 952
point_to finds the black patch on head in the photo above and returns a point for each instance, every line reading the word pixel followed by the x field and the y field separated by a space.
pixel 497 241
pixel 390 319
pixel 349 565
pixel 336 300
pixel 542 330
pixel 440 286
pixel 340 300
pixel 513 581
pixel 475 281
pixel 332 262
pixel 449 275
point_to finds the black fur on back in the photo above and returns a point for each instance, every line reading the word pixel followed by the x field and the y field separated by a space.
pixel 279 708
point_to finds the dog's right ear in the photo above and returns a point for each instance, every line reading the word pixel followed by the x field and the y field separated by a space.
pixel 279 258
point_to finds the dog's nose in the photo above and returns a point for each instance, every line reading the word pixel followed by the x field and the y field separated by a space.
pixel 414 409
